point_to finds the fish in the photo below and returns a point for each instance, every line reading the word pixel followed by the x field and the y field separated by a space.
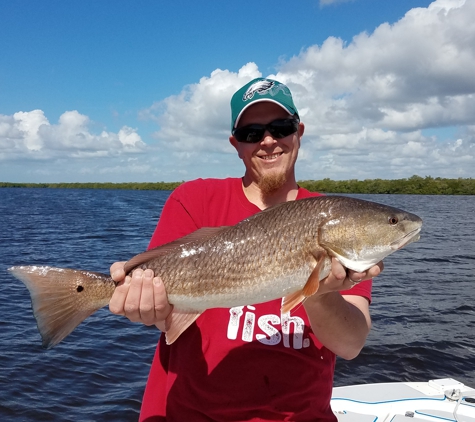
pixel 281 252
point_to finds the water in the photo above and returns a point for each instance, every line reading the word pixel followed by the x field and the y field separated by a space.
pixel 423 304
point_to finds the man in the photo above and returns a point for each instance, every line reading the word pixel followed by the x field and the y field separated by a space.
pixel 249 363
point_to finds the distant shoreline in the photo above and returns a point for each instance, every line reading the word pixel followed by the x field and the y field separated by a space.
pixel 414 185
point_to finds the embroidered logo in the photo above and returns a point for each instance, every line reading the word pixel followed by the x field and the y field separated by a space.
pixel 265 87
pixel 260 87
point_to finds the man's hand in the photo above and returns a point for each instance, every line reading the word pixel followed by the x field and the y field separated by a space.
pixel 341 323
pixel 341 278
pixel 140 297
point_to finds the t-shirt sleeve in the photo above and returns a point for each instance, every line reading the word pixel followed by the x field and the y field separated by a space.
pixel 176 220
pixel 361 289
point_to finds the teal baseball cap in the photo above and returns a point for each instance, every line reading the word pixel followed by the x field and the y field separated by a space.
pixel 260 89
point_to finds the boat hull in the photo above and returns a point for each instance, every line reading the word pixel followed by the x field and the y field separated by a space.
pixel 434 400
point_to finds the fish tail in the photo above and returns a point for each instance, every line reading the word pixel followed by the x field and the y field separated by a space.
pixel 62 298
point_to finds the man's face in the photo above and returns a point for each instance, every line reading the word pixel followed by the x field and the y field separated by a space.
pixel 270 162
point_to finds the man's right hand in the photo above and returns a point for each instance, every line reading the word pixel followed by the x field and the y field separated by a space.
pixel 141 297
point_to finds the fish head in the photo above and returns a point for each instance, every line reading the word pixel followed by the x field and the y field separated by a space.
pixel 362 233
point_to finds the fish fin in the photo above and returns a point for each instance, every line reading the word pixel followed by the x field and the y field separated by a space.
pixel 291 301
pixel 313 282
pixel 61 298
pixel 177 322
pixel 201 234
pixel 311 287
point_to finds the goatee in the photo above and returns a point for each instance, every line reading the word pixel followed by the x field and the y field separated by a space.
pixel 271 183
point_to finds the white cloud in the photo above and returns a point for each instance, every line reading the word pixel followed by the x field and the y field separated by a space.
pixel 198 118
pixel 30 135
pixel 415 74
pixel 364 102
pixel 366 105
pixel 413 71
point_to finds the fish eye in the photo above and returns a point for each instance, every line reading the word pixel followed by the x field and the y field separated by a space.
pixel 393 220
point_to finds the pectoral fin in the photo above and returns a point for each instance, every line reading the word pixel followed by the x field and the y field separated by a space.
pixel 310 288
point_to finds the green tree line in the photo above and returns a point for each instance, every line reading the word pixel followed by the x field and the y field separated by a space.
pixel 129 186
pixel 413 185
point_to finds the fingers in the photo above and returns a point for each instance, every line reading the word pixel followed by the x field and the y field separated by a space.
pixel 338 271
pixel 341 278
pixel 376 270
pixel 356 277
pixel 117 302
pixel 335 281
pixel 117 271
pixel 141 298
pixel 140 280
pixel 162 306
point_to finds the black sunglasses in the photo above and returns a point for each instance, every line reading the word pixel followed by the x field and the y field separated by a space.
pixel 254 133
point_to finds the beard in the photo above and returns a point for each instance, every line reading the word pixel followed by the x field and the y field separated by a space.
pixel 271 183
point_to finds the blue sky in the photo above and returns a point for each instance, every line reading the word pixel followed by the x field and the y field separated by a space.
pixel 139 91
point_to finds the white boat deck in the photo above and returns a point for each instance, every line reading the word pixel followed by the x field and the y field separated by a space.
pixel 437 400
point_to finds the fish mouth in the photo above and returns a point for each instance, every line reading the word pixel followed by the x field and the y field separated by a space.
pixel 412 236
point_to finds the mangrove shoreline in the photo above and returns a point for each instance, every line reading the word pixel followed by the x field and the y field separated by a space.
pixel 414 185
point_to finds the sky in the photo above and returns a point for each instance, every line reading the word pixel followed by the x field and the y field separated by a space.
pixel 139 91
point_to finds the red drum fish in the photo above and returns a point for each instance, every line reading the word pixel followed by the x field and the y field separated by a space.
pixel 281 252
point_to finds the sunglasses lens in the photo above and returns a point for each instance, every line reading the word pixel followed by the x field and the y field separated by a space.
pixel 250 134
pixel 279 129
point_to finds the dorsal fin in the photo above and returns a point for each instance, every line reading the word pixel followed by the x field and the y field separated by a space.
pixel 199 235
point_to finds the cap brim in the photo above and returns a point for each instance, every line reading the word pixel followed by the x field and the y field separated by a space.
pixel 290 111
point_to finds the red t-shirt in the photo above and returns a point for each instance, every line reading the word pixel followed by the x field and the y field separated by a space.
pixel 248 363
